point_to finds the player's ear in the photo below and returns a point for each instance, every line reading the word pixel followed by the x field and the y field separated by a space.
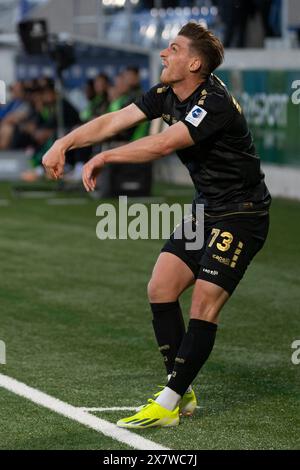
pixel 195 65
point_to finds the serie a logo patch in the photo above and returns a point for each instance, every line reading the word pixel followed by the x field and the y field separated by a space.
pixel 196 115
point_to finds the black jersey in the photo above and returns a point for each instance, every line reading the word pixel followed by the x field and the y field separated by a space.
pixel 223 163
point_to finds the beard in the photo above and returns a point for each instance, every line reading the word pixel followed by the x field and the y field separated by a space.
pixel 163 77
pixel 166 77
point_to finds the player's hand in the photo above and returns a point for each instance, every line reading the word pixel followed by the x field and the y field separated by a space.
pixel 54 161
pixel 90 172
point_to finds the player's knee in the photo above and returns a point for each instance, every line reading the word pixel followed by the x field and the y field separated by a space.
pixel 154 290
pixel 159 291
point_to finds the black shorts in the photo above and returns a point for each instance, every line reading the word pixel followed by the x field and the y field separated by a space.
pixel 230 243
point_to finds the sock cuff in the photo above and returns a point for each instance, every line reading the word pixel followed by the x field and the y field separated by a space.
pixel 164 307
pixel 194 323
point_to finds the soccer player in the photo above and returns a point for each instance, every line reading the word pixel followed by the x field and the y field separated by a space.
pixel 209 132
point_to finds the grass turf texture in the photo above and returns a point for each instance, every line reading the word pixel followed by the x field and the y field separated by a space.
pixel 76 322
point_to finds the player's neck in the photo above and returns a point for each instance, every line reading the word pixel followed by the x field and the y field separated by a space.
pixel 183 89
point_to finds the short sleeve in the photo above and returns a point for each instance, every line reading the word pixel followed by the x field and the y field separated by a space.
pixel 211 115
pixel 151 102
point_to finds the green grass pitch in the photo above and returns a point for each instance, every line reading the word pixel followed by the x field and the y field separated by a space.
pixel 76 323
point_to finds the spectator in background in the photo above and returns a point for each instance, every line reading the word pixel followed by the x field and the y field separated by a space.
pixel 90 95
pixel 16 102
pixel 21 132
pixel 42 129
pixel 31 121
pixel 235 15
pixel 14 113
pixel 49 111
pixel 126 90
pixel 263 7
pixel 104 97
pixel 131 75
pixel 275 18
pixel 96 92
pixel 118 93
pixel 100 101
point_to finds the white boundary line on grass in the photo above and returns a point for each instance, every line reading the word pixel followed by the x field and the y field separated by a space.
pixel 78 415
pixel 113 408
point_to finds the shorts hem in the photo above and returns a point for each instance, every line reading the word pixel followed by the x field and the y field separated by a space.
pixel 227 283
pixel 191 265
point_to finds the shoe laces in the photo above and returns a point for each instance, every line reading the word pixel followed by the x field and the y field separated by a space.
pixel 155 395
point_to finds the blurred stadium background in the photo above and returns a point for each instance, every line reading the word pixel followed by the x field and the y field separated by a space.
pixel 64 319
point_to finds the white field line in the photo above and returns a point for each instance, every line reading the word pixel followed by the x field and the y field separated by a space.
pixel 78 415
pixel 114 408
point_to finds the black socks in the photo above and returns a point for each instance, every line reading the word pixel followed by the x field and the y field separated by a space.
pixel 169 330
pixel 184 353
pixel 194 350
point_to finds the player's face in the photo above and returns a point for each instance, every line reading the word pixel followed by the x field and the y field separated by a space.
pixel 176 61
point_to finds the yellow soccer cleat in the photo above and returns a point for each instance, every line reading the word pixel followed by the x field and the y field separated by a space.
pixel 187 404
pixel 151 415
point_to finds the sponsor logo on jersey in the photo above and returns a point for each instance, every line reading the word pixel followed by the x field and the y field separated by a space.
pixel 196 115
pixel 221 259
pixel 210 271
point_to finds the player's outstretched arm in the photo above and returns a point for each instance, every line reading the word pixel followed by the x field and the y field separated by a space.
pixel 143 150
pixel 95 131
